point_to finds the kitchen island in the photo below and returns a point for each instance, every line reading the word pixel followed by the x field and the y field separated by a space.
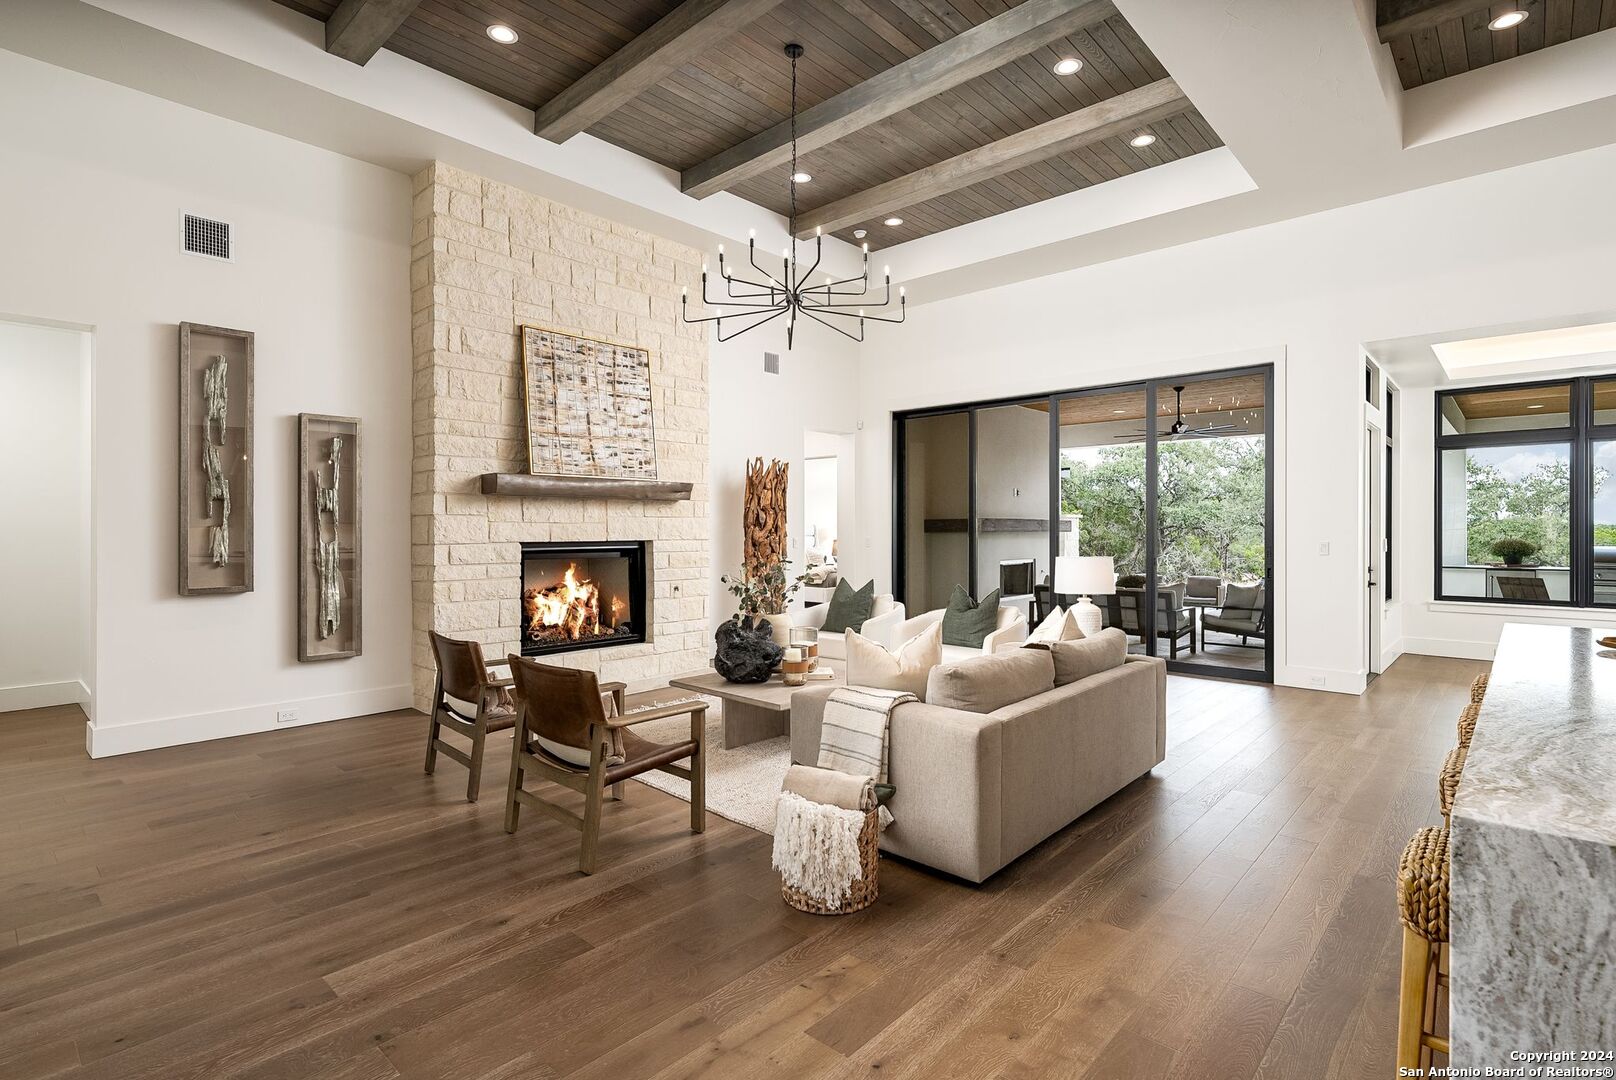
pixel 1533 850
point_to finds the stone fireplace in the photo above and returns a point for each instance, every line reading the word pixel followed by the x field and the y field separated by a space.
pixel 488 258
pixel 583 596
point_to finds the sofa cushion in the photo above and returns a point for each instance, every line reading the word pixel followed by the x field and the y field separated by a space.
pixel 991 681
pixel 968 622
pixel 870 664
pixel 1058 625
pixel 849 607
pixel 1076 660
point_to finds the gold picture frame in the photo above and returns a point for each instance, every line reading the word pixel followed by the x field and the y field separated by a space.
pixel 588 406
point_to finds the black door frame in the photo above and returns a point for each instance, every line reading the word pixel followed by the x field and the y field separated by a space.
pixel 1152 437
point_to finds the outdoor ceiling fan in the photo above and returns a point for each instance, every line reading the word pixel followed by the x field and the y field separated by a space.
pixel 1181 430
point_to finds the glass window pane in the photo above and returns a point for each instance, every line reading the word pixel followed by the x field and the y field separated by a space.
pixel 1527 408
pixel 1102 484
pixel 1211 492
pixel 936 514
pixel 1506 522
pixel 1605 402
pixel 1012 501
pixel 1603 518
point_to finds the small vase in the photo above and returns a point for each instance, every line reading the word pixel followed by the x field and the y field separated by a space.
pixel 780 624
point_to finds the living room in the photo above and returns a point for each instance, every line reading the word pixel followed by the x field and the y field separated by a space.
pixel 987 541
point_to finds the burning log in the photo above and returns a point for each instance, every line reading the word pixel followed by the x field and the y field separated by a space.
pixel 569 610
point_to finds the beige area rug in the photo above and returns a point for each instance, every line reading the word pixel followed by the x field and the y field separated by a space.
pixel 742 784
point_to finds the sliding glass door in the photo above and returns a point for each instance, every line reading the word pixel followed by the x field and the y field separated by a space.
pixel 1169 479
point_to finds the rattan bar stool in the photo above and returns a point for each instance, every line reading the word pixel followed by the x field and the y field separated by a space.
pixel 1422 908
pixel 1478 689
pixel 1447 781
pixel 1467 723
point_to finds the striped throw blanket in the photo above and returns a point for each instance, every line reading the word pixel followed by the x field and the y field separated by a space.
pixel 853 734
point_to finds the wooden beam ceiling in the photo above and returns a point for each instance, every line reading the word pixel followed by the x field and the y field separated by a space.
pixel 678 38
pixel 358 29
pixel 1113 116
pixel 1416 15
pixel 977 51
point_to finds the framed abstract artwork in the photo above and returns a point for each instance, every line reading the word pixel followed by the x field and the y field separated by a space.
pixel 216 460
pixel 329 537
pixel 589 410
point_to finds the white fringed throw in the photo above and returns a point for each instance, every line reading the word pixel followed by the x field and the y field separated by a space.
pixel 816 847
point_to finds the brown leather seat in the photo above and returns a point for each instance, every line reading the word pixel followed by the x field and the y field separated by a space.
pixel 574 720
pixel 468 700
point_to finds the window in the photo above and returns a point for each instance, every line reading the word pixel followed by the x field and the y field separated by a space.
pixel 1386 482
pixel 1526 510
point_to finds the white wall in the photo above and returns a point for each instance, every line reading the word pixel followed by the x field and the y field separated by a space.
pixel 755 414
pixel 45 545
pixel 1309 290
pixel 94 185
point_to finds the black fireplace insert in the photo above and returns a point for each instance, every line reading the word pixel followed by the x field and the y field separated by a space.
pixel 583 595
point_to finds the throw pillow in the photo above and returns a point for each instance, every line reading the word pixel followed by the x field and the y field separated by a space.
pixel 968 622
pixel 870 664
pixel 1058 625
pixel 849 607
pixel 988 682
pixel 1076 660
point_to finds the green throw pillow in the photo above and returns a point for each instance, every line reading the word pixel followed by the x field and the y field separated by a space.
pixel 849 607
pixel 968 622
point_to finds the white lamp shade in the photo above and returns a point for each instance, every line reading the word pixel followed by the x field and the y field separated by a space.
pixel 1084 575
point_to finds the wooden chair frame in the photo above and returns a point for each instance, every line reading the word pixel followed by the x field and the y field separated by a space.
pixel 476 731
pixel 591 783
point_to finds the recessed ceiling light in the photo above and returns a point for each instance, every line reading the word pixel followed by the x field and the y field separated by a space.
pixel 859 234
pixel 1142 141
pixel 502 34
pixel 801 177
pixel 1508 20
pixel 893 221
pixel 1535 405
pixel 1069 65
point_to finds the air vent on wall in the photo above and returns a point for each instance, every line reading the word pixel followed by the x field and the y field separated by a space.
pixel 771 363
pixel 206 237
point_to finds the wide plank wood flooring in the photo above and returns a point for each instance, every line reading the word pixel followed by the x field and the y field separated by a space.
pixel 307 903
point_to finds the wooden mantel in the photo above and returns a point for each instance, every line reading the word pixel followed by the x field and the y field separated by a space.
pixel 584 487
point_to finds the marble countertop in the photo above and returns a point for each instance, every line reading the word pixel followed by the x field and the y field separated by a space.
pixel 1543 757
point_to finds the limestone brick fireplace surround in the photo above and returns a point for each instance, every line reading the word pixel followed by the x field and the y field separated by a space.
pixel 488 258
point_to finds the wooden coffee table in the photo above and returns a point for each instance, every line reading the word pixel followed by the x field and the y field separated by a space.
pixel 755 711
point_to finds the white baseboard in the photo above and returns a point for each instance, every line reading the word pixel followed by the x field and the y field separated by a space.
pixel 1389 654
pixel 1459 650
pixel 43 695
pixel 109 740
pixel 1329 680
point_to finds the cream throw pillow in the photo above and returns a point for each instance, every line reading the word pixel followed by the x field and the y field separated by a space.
pixel 1058 625
pixel 870 664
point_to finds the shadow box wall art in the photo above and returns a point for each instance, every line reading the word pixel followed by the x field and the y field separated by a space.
pixel 588 407
pixel 216 460
pixel 329 538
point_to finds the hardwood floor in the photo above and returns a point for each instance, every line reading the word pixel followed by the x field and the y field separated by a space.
pixel 307 904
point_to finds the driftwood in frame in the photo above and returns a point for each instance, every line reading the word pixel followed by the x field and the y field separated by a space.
pixel 215 460
pixel 329 545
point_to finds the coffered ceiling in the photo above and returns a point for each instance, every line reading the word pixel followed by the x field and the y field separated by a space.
pixel 1435 39
pixel 965 117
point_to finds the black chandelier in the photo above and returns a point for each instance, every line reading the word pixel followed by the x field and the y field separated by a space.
pixel 836 304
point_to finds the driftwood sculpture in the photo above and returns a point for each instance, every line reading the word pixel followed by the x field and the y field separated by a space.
pixel 329 565
pixel 763 521
pixel 216 396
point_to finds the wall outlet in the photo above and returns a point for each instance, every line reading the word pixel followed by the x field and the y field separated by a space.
pixel 1316 681
pixel 286 716
pixel 1324 548
pixel 678 589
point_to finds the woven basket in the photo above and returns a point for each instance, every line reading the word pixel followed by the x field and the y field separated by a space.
pixel 1478 689
pixel 1447 782
pixel 866 887
pixel 1467 724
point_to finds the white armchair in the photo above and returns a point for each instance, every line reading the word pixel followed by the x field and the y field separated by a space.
pixel 1009 633
pixel 885 616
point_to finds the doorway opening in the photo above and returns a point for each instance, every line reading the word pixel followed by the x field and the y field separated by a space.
pixel 827 511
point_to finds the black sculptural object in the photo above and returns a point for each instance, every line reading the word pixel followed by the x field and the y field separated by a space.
pixel 747 652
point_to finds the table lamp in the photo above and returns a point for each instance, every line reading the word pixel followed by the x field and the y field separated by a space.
pixel 1084 576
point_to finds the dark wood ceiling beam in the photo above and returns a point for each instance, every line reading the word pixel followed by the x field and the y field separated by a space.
pixel 1428 16
pixel 977 51
pixel 679 37
pixel 1114 116
pixel 358 29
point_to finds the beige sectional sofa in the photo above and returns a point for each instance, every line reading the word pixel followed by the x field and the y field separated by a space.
pixel 998 758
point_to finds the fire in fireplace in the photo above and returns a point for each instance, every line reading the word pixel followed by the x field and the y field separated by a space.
pixel 580 596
